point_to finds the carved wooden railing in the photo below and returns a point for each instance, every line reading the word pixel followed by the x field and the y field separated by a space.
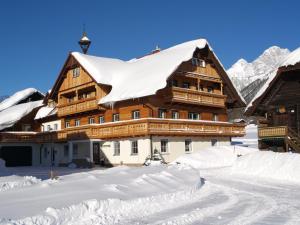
pixel 131 128
pixel 77 106
pixel 265 132
pixel 176 94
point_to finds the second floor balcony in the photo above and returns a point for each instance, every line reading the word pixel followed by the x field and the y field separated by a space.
pixel 77 106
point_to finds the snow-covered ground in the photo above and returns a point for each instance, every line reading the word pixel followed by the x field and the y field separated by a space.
pixel 213 186
pixel 250 139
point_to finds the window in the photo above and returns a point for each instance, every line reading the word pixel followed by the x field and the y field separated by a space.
pixel 188 145
pixel 116 148
pixel 45 153
pixel 135 114
pixel 186 85
pixel 67 124
pixel 76 72
pixel 70 99
pixel 214 142
pixel 164 146
pixel 77 123
pixel 210 89
pixel 201 88
pixel 66 151
pixel 55 126
pixel 48 128
pixel 175 115
pixel 162 113
pixel 198 62
pixel 91 120
pixel 134 148
pixel 75 149
pixel 193 116
pixel 215 117
pixel 116 117
pixel 174 83
pixel 26 127
pixel 101 119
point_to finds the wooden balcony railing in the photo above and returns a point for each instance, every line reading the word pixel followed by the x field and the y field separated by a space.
pixel 78 106
pixel 267 132
pixel 176 94
pixel 132 128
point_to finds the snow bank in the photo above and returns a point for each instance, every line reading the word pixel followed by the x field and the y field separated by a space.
pixel 140 77
pixel 214 157
pixel 251 138
pixel 10 116
pixel 44 112
pixel 17 97
pixel 267 164
pixel 11 182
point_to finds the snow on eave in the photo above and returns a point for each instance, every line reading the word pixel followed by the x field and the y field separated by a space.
pixel 17 97
pixel 12 115
pixel 140 77
pixel 45 111
pixel 292 59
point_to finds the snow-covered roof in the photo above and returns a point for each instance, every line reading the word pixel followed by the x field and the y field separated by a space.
pixel 290 60
pixel 139 77
pixel 13 114
pixel 44 112
pixel 17 97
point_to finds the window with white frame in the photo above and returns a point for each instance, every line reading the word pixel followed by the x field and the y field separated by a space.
pixel 77 122
pixel 188 145
pixel 42 128
pixel 193 116
pixel 116 148
pixel 134 148
pixel 198 62
pixel 101 119
pixel 162 113
pixel 91 120
pixel 175 115
pixel 48 128
pixel 164 146
pixel 76 72
pixel 215 117
pixel 116 117
pixel 55 127
pixel 67 124
pixel 135 114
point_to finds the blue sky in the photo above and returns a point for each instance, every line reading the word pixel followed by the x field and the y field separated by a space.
pixel 36 36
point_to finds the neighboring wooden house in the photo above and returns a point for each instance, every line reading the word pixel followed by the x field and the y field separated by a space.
pixel 277 107
pixel 114 112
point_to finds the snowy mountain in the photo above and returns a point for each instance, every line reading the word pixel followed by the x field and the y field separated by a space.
pixel 243 73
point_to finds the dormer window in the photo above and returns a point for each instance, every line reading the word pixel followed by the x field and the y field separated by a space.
pixel 198 62
pixel 76 72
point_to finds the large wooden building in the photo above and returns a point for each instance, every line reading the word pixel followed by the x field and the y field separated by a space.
pixel 111 112
pixel 277 107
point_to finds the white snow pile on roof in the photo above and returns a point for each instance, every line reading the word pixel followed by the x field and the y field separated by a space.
pixel 290 60
pixel 10 116
pixel 213 157
pixel 44 112
pixel 17 97
pixel 267 164
pixel 140 77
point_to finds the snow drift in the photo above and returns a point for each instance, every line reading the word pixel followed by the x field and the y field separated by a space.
pixel 17 97
pixel 214 157
pixel 11 182
pixel 267 164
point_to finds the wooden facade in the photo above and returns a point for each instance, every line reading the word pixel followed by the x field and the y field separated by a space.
pixel 278 110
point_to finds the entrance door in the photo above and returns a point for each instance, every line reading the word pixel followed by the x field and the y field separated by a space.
pixel 96 153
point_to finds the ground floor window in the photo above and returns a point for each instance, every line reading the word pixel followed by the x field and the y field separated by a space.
pixel 188 145
pixel 134 148
pixel 164 146
pixel 116 148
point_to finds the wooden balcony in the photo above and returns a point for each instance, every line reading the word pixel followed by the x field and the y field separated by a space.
pixel 272 132
pixel 130 128
pixel 183 95
pixel 78 106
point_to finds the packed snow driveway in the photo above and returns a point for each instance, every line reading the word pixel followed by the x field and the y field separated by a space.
pixel 175 194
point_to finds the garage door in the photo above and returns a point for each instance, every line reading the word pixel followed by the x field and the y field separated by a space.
pixel 16 155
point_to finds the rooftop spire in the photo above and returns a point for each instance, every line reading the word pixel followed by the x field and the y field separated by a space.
pixel 84 41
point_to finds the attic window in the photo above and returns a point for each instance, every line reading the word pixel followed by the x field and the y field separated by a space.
pixel 198 62
pixel 76 72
